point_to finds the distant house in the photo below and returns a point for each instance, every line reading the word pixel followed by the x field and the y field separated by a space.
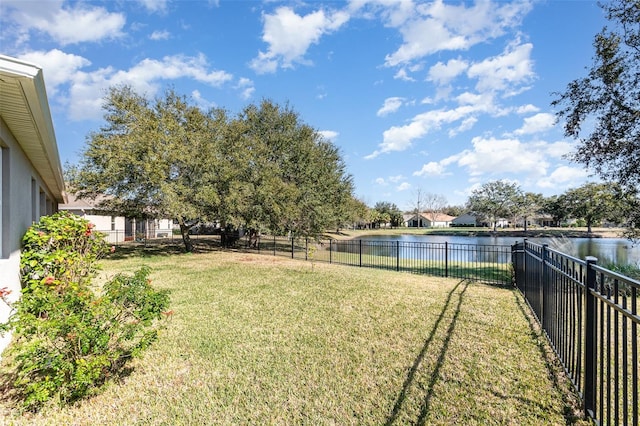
pixel 466 219
pixel 500 223
pixel 406 218
pixel 429 220
pixel 118 228
pixel 32 184
pixel 538 220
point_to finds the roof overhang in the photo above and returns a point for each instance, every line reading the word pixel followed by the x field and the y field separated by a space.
pixel 25 109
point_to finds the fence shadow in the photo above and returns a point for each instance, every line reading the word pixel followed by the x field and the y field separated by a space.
pixel 572 409
pixel 440 361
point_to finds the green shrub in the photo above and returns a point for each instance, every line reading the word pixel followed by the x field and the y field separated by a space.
pixel 68 337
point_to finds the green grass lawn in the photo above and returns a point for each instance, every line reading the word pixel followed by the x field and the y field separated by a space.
pixel 267 340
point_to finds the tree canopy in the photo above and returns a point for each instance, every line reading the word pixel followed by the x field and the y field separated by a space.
pixel 495 200
pixel 602 109
pixel 263 169
pixel 591 202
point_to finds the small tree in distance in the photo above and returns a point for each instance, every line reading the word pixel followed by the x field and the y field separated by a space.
pixel 495 200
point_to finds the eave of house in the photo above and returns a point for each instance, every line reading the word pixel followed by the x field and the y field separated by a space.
pixel 25 110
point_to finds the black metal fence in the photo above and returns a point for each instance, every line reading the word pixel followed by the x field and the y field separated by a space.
pixel 590 316
pixel 488 263
pixel 121 237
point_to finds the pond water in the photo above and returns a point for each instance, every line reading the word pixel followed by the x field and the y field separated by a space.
pixel 615 250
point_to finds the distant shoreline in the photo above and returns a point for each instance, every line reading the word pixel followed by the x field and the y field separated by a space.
pixel 484 232
pixel 528 234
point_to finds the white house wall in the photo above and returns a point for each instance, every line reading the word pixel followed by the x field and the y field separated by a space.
pixel 23 199
pixel 112 226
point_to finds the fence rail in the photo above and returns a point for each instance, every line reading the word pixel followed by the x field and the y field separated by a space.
pixel 489 263
pixel 590 316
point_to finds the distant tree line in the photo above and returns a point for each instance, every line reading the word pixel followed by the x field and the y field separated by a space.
pixel 263 169
pixel 588 205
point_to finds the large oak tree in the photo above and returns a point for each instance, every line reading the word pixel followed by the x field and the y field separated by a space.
pixel 263 169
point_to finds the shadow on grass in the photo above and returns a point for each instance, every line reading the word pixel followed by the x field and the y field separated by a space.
pixel 159 249
pixel 572 404
pixel 425 347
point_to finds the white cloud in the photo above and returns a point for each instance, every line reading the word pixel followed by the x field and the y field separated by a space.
pixel 449 26
pixel 289 36
pixel 431 169
pixel 173 67
pixel 396 179
pixel 57 66
pixel 559 149
pixel 536 124
pixel 442 73
pixel 563 177
pixel 329 134
pixel 403 186
pixel 526 109
pixel 86 89
pixel 403 75
pixel 400 138
pixel 500 156
pixel 246 87
pixel 160 35
pixel 514 67
pixel 467 124
pixel 154 5
pixel 66 25
pixel 202 102
pixel 381 181
pixel 390 105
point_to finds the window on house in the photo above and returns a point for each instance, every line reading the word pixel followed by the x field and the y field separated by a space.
pixel 34 200
pixel 43 204
pixel 4 203
pixel 113 223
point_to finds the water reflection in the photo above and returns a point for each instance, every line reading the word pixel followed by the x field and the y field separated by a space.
pixel 607 250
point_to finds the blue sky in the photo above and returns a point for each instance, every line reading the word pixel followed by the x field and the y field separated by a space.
pixel 437 96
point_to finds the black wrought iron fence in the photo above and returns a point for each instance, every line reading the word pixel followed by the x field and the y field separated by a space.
pixel 590 316
pixel 489 263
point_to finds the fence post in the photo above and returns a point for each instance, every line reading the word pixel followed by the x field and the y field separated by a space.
pixel 292 248
pixel 360 243
pixel 543 285
pixel 397 255
pixel 446 258
pixel 330 243
pixel 306 249
pixel 591 336
pixel 274 244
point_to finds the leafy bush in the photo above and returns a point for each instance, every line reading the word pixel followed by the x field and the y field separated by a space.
pixel 68 337
pixel 631 271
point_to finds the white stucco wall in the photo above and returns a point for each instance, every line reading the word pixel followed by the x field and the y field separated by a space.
pixel 27 199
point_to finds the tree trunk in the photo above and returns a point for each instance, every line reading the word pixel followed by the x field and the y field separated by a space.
pixel 186 239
